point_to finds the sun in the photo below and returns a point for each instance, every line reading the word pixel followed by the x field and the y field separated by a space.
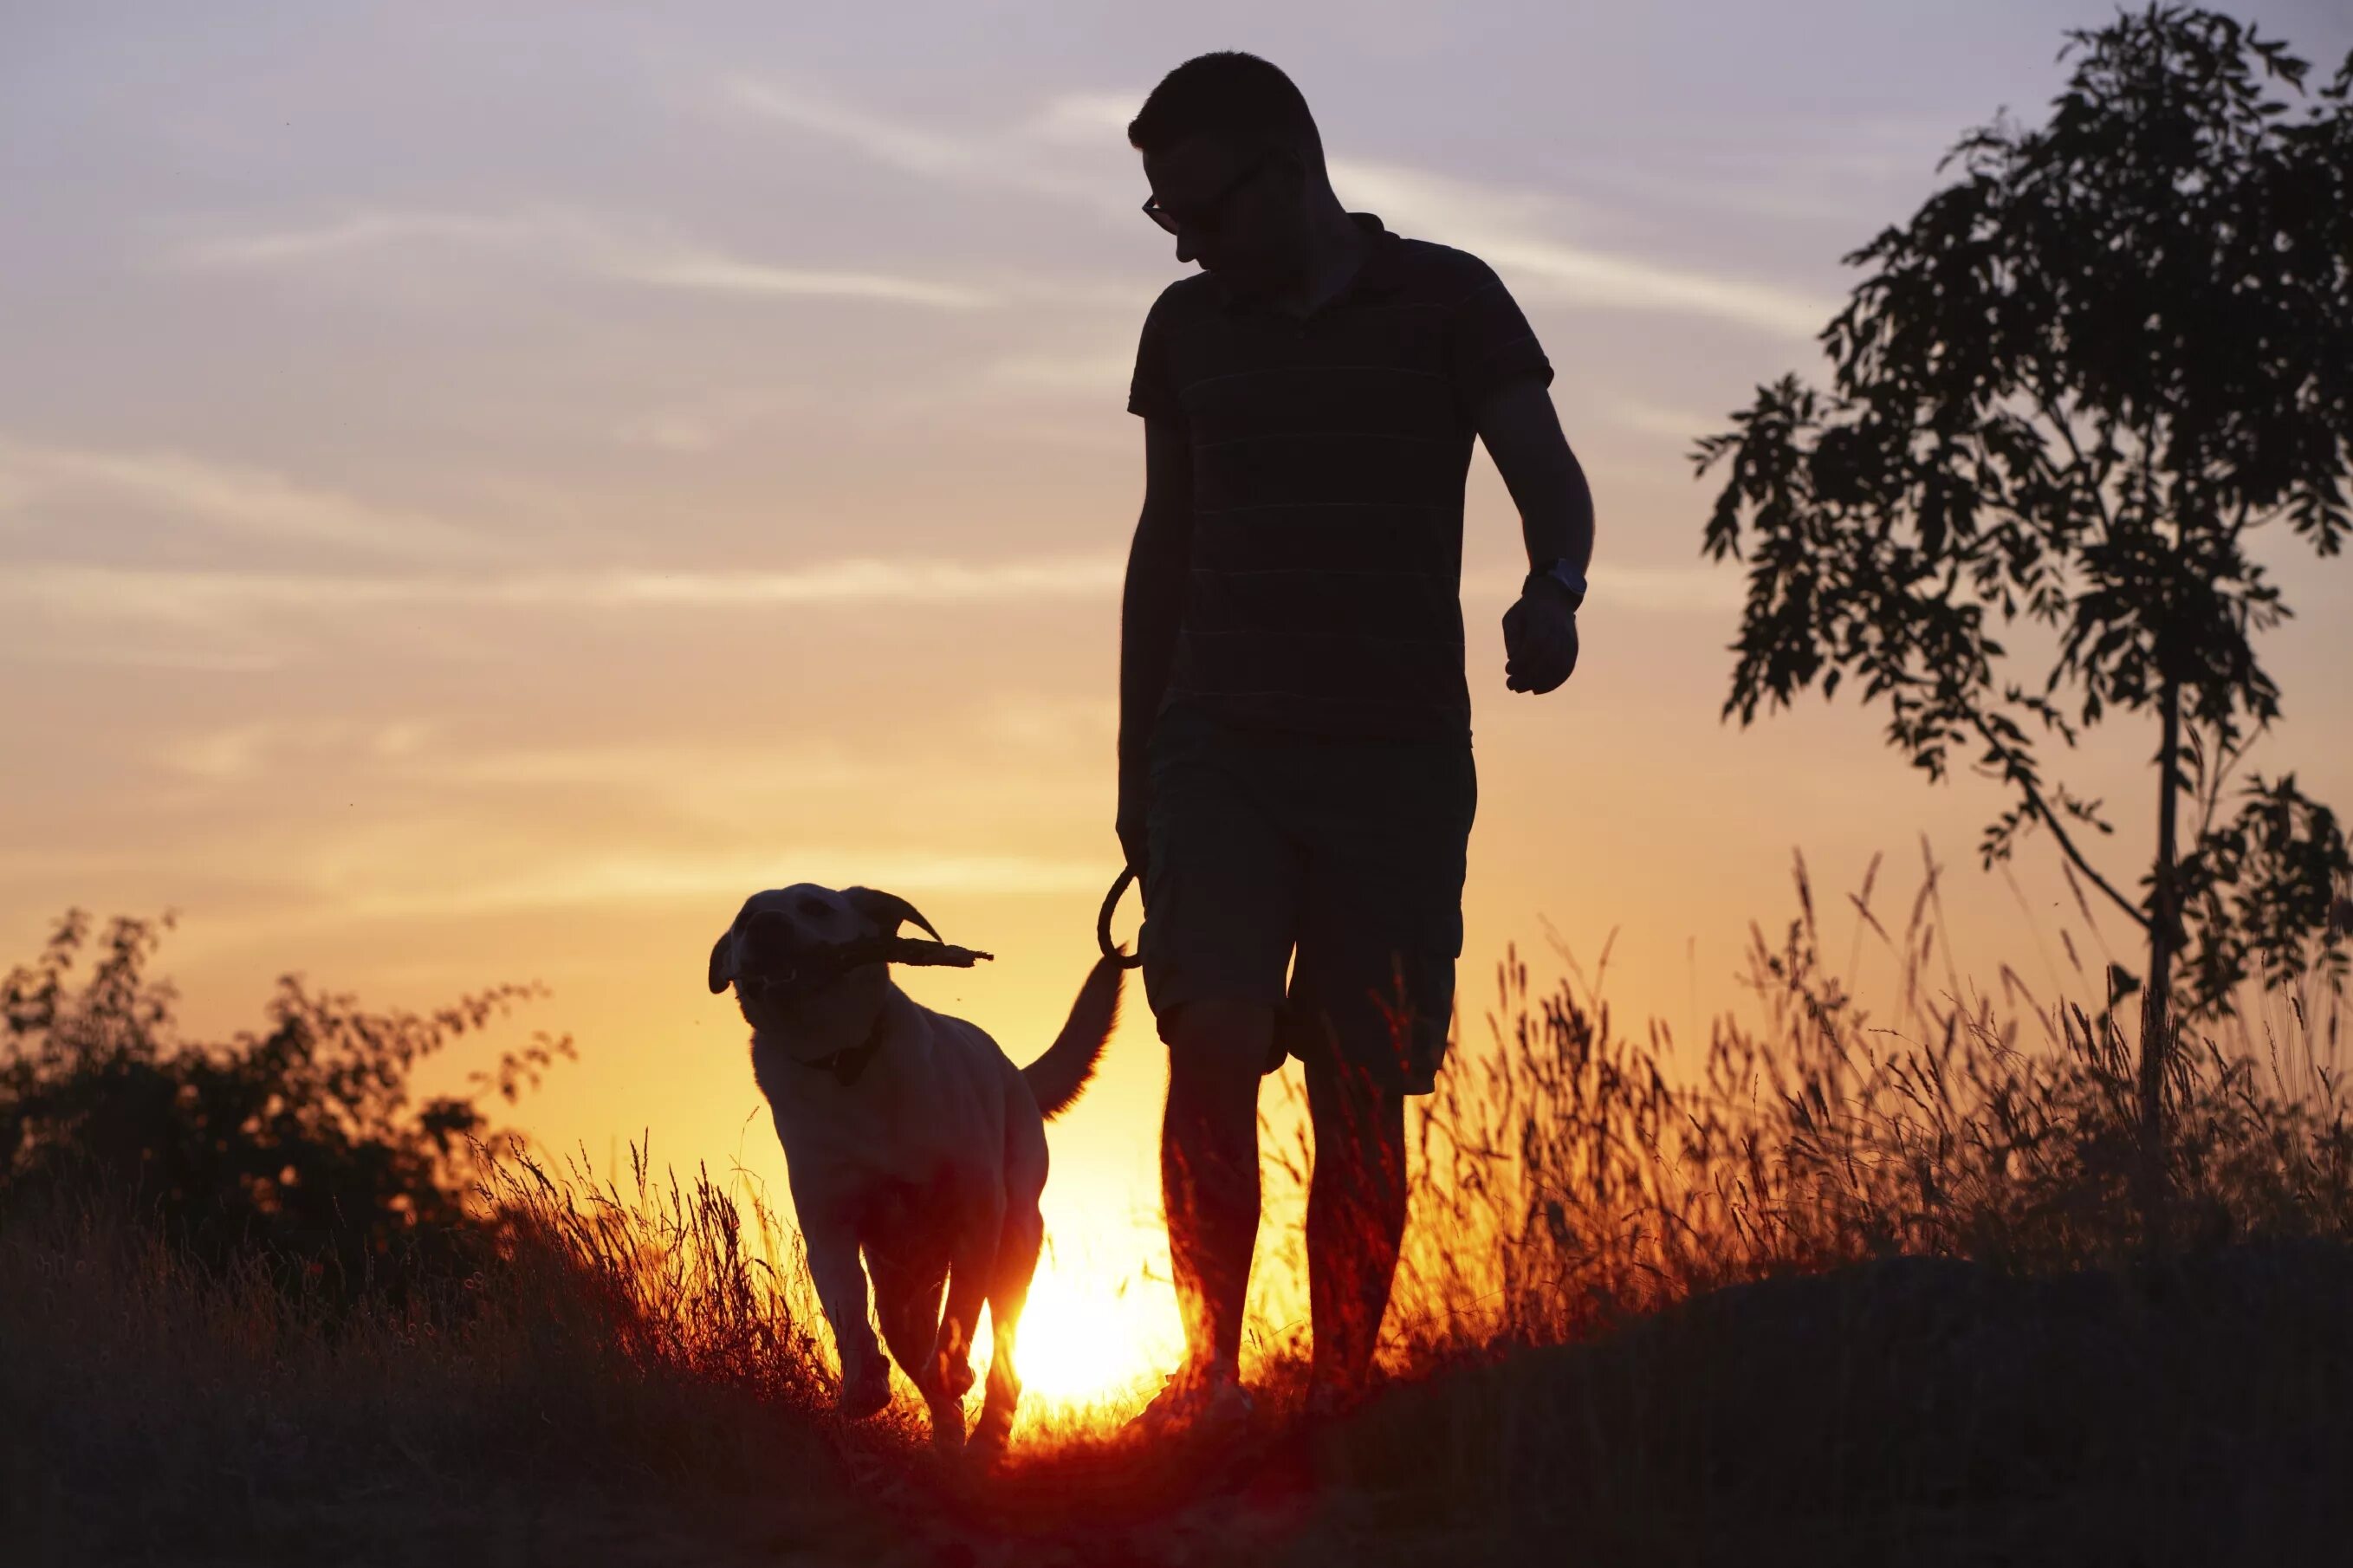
pixel 1092 1335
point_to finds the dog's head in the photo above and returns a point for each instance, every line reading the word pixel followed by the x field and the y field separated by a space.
pixel 783 957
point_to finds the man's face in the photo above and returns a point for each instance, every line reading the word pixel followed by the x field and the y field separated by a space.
pixel 1239 209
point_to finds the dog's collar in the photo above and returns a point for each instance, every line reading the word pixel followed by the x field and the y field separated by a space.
pixel 848 1064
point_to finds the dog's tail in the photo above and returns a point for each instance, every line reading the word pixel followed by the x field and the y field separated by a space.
pixel 1057 1079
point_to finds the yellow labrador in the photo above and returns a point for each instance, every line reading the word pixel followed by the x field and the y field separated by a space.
pixel 908 1135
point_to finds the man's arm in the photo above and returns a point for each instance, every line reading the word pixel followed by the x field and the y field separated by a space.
pixel 1152 607
pixel 1524 436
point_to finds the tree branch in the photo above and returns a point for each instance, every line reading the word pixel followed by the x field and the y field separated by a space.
pixel 2041 808
pixel 2067 434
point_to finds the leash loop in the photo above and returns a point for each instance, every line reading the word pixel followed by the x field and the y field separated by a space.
pixel 1110 950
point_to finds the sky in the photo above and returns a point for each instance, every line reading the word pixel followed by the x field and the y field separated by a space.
pixel 483 489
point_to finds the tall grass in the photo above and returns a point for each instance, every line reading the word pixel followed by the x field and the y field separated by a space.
pixel 1611 1304
pixel 690 1281
pixel 1568 1176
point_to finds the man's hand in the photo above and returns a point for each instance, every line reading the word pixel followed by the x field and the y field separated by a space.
pixel 1522 433
pixel 1539 639
pixel 1134 813
pixel 1150 618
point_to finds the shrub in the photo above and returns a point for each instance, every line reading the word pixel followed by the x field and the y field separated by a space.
pixel 302 1142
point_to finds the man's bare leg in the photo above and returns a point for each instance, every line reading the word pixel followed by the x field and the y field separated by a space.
pixel 1209 1168
pixel 1356 1218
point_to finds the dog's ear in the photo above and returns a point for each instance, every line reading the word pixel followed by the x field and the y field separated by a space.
pixel 886 910
pixel 722 959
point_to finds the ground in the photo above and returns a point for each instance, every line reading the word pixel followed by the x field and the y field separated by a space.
pixel 1914 1410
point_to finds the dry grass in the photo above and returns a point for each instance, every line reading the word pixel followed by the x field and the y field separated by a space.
pixel 162 1411
pixel 1841 1289
pixel 1618 1179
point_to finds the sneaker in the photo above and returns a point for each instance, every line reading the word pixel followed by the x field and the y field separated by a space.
pixel 1195 1402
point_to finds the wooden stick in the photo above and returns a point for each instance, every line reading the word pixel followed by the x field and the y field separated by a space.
pixel 906 950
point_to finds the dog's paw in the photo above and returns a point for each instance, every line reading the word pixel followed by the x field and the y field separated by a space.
pixel 947 1426
pixel 952 1374
pixel 864 1392
pixel 992 1436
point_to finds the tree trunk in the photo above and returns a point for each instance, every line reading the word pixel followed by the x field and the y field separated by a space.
pixel 2157 1001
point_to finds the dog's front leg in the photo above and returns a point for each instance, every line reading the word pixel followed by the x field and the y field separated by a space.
pixel 840 1282
pixel 970 1270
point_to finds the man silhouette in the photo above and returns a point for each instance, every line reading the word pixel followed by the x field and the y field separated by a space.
pixel 1295 782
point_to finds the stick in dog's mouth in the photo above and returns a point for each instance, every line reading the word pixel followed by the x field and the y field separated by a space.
pixel 816 967
pixel 907 950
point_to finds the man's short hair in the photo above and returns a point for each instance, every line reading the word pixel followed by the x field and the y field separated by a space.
pixel 1228 93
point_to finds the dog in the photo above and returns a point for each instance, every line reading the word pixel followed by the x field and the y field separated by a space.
pixel 909 1136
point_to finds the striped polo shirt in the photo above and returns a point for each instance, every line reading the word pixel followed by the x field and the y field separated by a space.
pixel 1329 455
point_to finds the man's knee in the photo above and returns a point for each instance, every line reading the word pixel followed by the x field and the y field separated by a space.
pixel 1219 1043
pixel 1358 1122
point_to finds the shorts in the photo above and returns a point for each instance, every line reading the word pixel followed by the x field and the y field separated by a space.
pixel 1344 854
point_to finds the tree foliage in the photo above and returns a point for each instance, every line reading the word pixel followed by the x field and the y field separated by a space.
pixel 303 1140
pixel 2082 405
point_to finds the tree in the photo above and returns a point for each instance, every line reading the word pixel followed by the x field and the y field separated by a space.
pixel 300 1143
pixel 2068 400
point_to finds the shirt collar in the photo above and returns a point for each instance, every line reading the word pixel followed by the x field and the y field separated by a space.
pixel 1384 264
pixel 1382 269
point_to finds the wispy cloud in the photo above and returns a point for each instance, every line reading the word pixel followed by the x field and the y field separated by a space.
pixel 634 252
pixel 605 879
pixel 1577 276
pixel 1518 232
pixel 887 141
pixel 852 581
pixel 701 424
pixel 1693 589
pixel 1657 419
pixel 1105 373
pixel 1004 159
pixel 720 778
pixel 713 274
pixel 1087 118
pixel 233 620
pixel 448 772
pixel 195 596
pixel 1515 233
pixel 409 875
pixel 230 599
pixel 223 498
pixel 112 651
pixel 733 277
pixel 1670 588
pixel 241 753
pixel 356 231
pixel 1030 719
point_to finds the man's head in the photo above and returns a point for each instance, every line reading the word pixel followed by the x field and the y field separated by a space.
pixel 1236 167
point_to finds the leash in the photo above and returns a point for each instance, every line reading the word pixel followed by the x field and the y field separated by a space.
pixel 1117 954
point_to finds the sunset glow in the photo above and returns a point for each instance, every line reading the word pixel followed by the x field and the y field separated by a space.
pixel 1091 1338
pixel 461 524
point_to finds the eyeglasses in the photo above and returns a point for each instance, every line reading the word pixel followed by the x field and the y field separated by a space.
pixel 1211 209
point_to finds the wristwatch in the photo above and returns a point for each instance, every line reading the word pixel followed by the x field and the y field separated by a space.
pixel 1561 575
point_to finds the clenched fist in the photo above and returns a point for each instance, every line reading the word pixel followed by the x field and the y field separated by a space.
pixel 1539 639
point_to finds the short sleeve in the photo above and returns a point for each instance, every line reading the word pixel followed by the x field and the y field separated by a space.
pixel 1488 341
pixel 1152 392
